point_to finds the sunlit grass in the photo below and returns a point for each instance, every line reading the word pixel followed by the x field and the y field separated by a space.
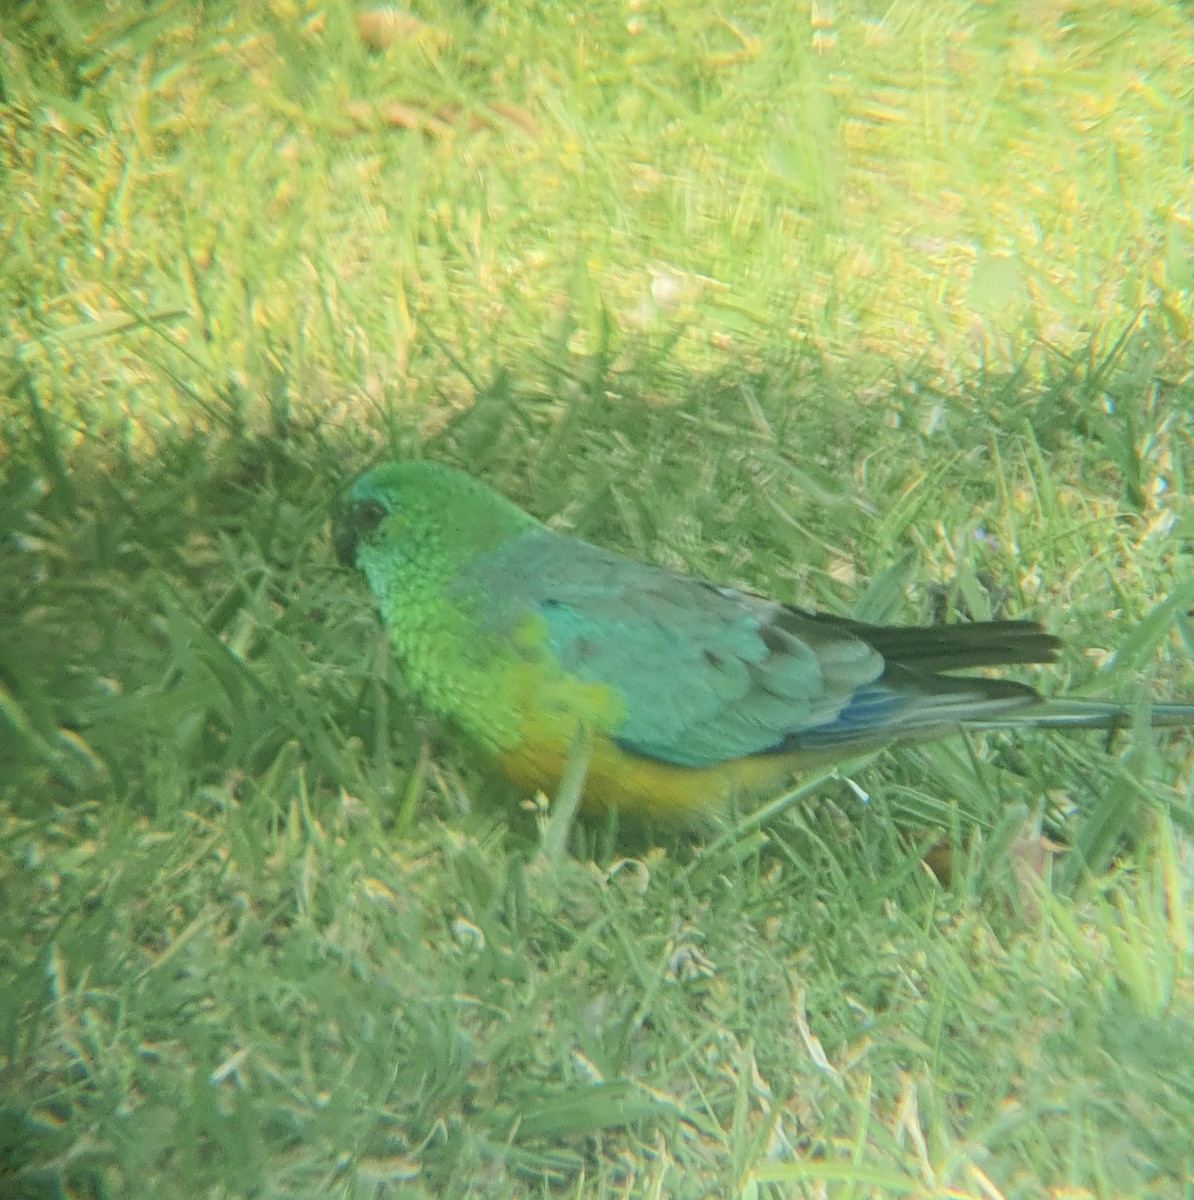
pixel 942 186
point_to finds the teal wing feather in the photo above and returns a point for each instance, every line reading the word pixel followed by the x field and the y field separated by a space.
pixel 708 674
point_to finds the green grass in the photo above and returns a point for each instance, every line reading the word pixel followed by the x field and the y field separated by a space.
pixel 884 315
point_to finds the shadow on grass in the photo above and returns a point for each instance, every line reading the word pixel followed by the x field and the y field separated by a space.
pixel 181 603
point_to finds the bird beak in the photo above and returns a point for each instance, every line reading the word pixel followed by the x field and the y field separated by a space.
pixel 346 535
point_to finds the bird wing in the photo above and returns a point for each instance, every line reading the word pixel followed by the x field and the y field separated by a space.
pixel 707 674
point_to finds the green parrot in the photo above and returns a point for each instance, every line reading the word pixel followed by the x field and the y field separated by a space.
pixel 688 692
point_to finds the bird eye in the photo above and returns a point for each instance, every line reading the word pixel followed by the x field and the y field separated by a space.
pixel 368 515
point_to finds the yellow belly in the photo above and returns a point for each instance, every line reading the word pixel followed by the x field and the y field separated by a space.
pixel 550 705
pixel 643 785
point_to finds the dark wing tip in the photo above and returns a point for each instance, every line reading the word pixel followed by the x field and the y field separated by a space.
pixel 956 647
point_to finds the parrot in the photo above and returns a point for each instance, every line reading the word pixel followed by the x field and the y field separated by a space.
pixel 689 693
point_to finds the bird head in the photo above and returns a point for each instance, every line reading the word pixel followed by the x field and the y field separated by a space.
pixel 420 518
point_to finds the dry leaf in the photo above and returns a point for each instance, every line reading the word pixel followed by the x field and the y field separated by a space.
pixel 381 28
pixel 395 115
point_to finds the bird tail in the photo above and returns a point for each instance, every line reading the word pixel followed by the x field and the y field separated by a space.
pixel 1087 714
pixel 878 715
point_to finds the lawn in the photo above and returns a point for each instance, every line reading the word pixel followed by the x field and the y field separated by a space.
pixel 879 310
